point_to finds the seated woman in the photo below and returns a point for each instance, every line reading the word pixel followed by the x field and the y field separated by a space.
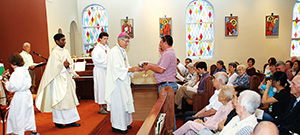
pixel 232 73
pixel 220 67
pixel 192 127
pixel 251 69
pixel 289 65
pixel 296 69
pixel 281 99
pixel 243 79
pixel 262 86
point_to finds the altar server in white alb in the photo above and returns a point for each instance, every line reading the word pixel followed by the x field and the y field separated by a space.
pixel 99 56
pixel 21 113
pixel 118 95
pixel 56 92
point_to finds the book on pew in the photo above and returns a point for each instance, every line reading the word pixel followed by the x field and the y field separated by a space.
pixel 160 123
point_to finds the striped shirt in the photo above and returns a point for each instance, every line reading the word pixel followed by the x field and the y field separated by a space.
pixel 168 62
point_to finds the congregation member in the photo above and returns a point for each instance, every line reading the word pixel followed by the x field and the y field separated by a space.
pixel 181 73
pixel 265 128
pixel 233 113
pixel 99 56
pixel 21 112
pixel 118 94
pixel 191 127
pixel 28 62
pixel 289 122
pixel 188 91
pixel 220 67
pixel 289 65
pixel 294 59
pixel 251 69
pixel 267 68
pixel 56 92
pixel 296 68
pixel 281 66
pixel 280 100
pixel 243 79
pixel 268 76
pixel 165 69
pixel 192 76
pixel 220 80
pixel 232 73
pixel 245 121
pixel 188 61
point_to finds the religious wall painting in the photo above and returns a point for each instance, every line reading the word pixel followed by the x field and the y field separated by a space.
pixel 231 25
pixel 272 25
pixel 165 26
pixel 127 26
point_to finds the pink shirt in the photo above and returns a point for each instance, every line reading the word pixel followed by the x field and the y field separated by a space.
pixel 168 62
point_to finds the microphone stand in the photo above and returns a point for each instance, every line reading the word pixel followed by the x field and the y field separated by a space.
pixel 40 56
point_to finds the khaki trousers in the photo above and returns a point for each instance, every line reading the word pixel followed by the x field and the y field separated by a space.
pixel 180 93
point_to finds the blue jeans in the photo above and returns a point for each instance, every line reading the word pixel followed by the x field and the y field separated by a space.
pixel 171 84
pixel 175 87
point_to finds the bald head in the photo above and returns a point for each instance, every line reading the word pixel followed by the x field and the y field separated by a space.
pixel 26 47
pixel 265 128
pixel 295 86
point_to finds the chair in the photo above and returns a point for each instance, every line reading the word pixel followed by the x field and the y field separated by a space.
pixel 213 67
pixel 200 100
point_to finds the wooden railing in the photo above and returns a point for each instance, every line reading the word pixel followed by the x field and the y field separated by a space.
pixel 164 104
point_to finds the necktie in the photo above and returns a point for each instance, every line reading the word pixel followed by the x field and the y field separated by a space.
pixel 295 103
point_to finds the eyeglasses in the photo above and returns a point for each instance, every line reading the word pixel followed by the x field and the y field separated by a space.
pixel 126 41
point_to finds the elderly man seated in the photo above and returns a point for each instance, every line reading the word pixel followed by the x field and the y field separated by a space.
pixel 289 122
pixel 191 127
pixel 243 79
pixel 220 80
pixel 189 91
pixel 246 105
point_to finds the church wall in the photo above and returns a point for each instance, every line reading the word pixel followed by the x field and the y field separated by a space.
pixel 23 21
pixel 250 42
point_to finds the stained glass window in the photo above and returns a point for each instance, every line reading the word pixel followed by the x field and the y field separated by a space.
pixel 295 44
pixel 199 29
pixel 94 21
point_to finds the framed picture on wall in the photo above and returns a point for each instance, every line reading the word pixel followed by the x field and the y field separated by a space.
pixel 127 26
pixel 165 26
pixel 272 25
pixel 231 25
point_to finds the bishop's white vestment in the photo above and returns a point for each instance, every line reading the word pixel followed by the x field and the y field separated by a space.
pixel 21 113
pixel 56 92
pixel 99 56
pixel 118 94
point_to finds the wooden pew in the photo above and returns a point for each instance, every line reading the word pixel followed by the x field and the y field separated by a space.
pixel 164 104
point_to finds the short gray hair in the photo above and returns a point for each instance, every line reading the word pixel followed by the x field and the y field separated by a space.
pixel 250 100
pixel 25 44
pixel 223 77
pixel 228 92
pixel 280 63
pixel 124 37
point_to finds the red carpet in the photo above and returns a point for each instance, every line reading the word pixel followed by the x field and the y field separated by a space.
pixel 90 121
pixel 107 130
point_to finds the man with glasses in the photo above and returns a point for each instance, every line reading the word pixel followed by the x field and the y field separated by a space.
pixel 118 95
pixel 165 69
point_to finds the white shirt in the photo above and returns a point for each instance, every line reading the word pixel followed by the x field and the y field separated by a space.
pixel 28 61
pixel 182 69
pixel 214 101
pixel 232 78
pixel 235 125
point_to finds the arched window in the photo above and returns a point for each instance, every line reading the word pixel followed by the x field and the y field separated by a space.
pixel 199 29
pixel 295 44
pixel 94 21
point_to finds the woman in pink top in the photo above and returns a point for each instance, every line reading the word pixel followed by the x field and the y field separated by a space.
pixel 192 127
